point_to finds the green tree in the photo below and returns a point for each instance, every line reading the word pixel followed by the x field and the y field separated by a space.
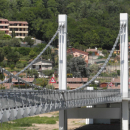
pixel 32 73
pixel 41 81
pixel 29 41
pixel 1 55
pixel 105 52
pixel 77 67
pixel 13 33
pixel 93 69
pixel 48 72
pixel 16 42
pixel 118 72
pixel 24 50
pixel 13 56
pixel 32 54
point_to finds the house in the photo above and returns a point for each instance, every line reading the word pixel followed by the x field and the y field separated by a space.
pixel 15 82
pixel 116 83
pixel 92 52
pixel 20 27
pixel 116 52
pixel 72 83
pixel 77 53
pixel 41 65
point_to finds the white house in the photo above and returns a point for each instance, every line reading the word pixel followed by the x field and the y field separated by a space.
pixel 40 65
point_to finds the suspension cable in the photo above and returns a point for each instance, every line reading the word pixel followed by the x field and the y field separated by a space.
pixel 83 86
pixel 104 65
pixel 37 56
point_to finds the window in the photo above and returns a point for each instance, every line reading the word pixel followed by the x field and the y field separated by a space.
pixel 15 29
pixel 116 84
pixel 33 66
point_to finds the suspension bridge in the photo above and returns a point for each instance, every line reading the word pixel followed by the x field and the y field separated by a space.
pixel 20 103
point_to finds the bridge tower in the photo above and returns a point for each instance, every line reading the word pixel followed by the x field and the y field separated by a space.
pixel 62 66
pixel 124 70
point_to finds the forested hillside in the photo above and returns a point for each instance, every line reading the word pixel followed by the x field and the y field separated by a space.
pixel 91 23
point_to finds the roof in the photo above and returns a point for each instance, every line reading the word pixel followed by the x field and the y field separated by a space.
pixel 115 80
pixel 72 50
pixel 24 22
pixel 76 80
pixel 7 85
pixel 39 60
pixel 91 50
pixel 115 87
pixel 71 86
pixel 26 79
pixel 3 19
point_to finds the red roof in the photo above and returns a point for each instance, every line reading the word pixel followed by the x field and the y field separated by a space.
pixel 76 80
pixel 115 80
pixel 6 85
pixel 91 50
pixel 3 19
pixel 26 79
pixel 72 50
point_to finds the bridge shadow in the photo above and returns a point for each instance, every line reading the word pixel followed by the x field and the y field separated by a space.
pixel 99 127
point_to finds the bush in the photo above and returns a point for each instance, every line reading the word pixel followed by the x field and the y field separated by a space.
pixel 48 72
pixel 19 65
pixel 21 86
pixel 24 51
pixel 12 66
pixel 69 75
pixel 1 76
pixel 4 63
pixel 118 72
pixel 50 87
pixel 41 81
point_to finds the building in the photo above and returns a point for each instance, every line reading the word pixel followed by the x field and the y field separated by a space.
pixel 77 53
pixel 116 83
pixel 19 27
pixel 92 52
pixel 40 65
pixel 4 25
pixel 72 83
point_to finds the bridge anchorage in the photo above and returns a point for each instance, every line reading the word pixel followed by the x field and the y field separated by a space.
pixel 107 104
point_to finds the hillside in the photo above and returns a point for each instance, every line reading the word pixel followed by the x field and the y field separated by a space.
pixel 91 23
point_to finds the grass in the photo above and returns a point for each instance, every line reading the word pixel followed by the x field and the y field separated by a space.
pixel 27 122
